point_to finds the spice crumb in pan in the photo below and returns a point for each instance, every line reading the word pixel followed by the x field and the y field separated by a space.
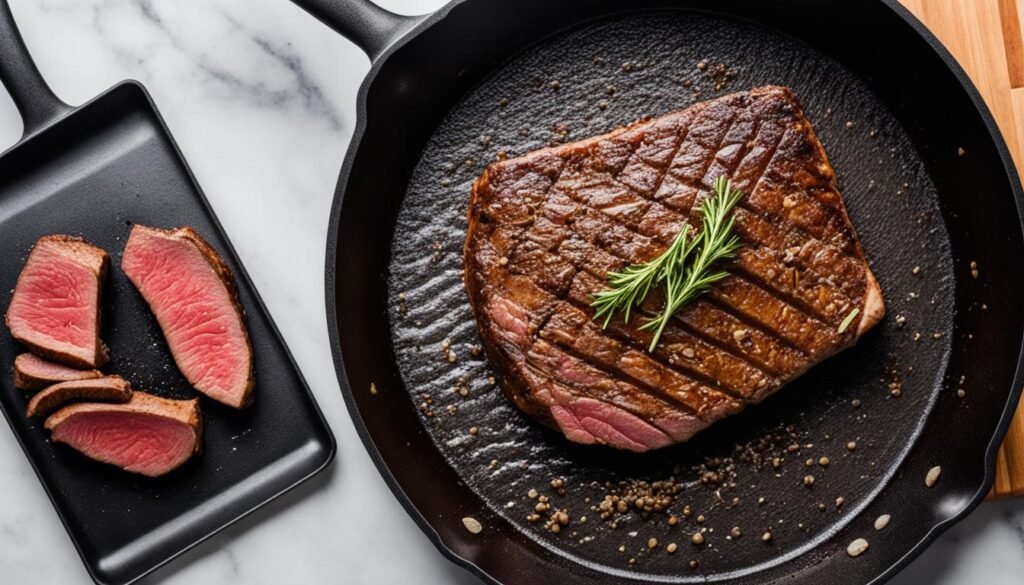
pixel 697 538
pixel 857 547
pixel 472 524
pixel 882 521
pixel 373 389
pixel 767 536
pixel 933 476
pixel 671 548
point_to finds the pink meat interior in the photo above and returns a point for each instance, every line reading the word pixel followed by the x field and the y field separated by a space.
pixel 137 442
pixel 54 304
pixel 195 311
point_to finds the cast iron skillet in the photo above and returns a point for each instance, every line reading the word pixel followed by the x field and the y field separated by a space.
pixel 928 183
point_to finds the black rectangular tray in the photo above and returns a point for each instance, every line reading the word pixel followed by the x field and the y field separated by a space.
pixel 105 166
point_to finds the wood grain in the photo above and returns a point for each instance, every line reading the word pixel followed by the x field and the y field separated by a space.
pixel 987 38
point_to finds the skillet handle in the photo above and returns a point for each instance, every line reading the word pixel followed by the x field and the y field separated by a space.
pixel 361 21
pixel 35 100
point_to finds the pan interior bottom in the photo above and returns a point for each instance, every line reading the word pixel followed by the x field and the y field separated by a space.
pixel 744 477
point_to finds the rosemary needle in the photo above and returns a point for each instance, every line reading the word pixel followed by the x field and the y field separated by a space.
pixel 686 270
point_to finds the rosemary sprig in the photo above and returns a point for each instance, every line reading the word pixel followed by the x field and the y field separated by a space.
pixel 684 279
pixel 629 287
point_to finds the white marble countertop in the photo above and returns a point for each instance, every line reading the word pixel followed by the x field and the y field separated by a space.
pixel 261 99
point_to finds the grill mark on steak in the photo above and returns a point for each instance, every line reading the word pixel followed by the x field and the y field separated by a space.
pixel 571 329
pixel 794 130
pixel 830 312
pixel 680 132
pixel 598 262
pixel 531 300
pixel 746 215
pixel 577 378
pixel 704 323
pixel 736 301
pixel 560 364
pixel 628 348
pixel 719 143
pixel 744 265
pixel 576 373
pixel 545 228
pixel 536 267
pixel 754 321
pixel 610 358
pixel 823 224
pixel 652 306
pixel 574 313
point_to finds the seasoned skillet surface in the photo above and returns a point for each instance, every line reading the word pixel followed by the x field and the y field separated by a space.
pixel 747 472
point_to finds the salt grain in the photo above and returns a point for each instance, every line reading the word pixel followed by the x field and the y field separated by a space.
pixel 472 524
pixel 857 547
pixel 933 476
pixel 882 521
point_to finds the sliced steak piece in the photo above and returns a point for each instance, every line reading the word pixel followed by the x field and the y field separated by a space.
pixel 193 295
pixel 147 435
pixel 106 389
pixel 55 310
pixel 32 372
pixel 547 227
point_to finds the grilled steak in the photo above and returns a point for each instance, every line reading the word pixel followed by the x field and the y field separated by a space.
pixel 147 435
pixel 55 310
pixel 545 228
pixel 106 389
pixel 192 293
pixel 32 372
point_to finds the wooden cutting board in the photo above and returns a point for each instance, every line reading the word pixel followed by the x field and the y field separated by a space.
pixel 986 37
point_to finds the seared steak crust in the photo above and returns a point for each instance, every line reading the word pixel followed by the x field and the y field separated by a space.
pixel 545 228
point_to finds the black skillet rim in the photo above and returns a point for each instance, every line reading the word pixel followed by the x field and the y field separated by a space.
pixel 240 272
pixel 364 434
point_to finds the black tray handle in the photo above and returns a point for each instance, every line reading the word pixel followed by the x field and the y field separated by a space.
pixel 36 102
pixel 362 22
